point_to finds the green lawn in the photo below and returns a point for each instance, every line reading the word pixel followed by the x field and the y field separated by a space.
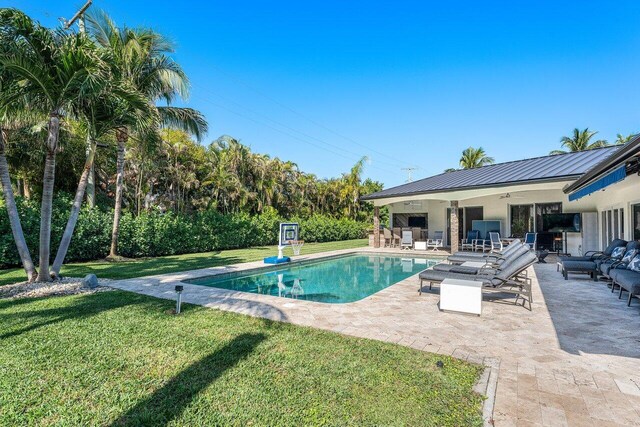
pixel 170 264
pixel 117 358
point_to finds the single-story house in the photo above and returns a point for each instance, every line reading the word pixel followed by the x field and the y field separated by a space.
pixel 602 185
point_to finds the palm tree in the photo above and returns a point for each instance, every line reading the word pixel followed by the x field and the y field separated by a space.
pixel 140 57
pixel 474 158
pixel 122 107
pixel 620 139
pixel 580 141
pixel 12 209
pixel 57 73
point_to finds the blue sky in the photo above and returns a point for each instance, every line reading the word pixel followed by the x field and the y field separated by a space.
pixel 408 83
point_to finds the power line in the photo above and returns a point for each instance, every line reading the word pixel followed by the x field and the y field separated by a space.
pixel 201 89
pixel 286 133
pixel 275 101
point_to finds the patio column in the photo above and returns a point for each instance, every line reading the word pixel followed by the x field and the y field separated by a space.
pixel 454 238
pixel 376 227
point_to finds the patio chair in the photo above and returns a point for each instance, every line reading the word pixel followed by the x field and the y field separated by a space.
pixel 467 244
pixel 388 238
pixel 531 239
pixel 416 232
pixel 407 240
pixel 436 242
pixel 397 234
pixel 482 244
pixel 491 264
pixel 496 243
pixel 459 258
pixel 511 279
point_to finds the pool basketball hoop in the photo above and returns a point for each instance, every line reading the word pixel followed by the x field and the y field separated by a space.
pixel 288 237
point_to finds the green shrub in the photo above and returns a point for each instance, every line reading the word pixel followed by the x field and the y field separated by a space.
pixel 157 233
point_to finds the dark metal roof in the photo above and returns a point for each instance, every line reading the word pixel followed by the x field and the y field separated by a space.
pixel 621 156
pixel 557 167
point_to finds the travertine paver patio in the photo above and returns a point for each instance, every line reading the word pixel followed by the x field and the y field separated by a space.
pixel 573 360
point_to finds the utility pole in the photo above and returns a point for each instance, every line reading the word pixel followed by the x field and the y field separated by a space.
pixel 79 16
pixel 91 181
pixel 409 172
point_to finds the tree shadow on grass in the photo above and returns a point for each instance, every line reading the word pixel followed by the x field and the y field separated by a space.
pixel 84 308
pixel 168 402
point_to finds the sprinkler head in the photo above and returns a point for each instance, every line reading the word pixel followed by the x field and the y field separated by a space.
pixel 440 364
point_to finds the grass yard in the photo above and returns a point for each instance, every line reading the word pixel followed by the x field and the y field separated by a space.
pixel 174 263
pixel 115 358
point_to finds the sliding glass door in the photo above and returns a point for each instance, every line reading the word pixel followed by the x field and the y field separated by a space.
pixel 612 226
pixel 521 220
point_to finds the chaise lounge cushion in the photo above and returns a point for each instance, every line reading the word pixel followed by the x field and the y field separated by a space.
pixel 627 279
pixel 572 266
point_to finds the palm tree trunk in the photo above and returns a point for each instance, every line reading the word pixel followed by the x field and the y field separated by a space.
pixel 75 208
pixel 48 181
pixel 122 136
pixel 14 218
pixel 91 187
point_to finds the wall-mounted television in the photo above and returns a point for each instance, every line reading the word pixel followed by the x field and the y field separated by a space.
pixel 562 222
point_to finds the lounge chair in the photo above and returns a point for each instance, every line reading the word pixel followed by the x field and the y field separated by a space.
pixel 510 279
pixel 436 242
pixel 592 255
pixel 605 266
pixel 628 279
pixel 589 264
pixel 531 240
pixel 459 258
pixel 490 264
pixel 407 240
pixel 467 244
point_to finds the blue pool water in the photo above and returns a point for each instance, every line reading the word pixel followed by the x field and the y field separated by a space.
pixel 336 280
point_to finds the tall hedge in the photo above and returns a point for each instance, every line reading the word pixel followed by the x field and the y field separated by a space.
pixel 156 233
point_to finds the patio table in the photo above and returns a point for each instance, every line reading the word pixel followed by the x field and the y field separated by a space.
pixel 464 296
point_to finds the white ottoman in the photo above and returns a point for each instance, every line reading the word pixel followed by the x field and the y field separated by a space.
pixel 464 296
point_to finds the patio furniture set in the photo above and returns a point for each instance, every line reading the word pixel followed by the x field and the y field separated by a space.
pixel 412 238
pixel 467 276
pixel 618 265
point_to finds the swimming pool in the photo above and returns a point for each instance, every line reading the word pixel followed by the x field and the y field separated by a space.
pixel 336 280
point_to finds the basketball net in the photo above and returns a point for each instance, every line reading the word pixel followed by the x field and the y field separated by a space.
pixel 296 245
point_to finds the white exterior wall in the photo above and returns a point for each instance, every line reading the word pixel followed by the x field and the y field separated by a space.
pixel 617 196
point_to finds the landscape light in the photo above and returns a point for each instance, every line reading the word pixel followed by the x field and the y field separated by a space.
pixel 179 289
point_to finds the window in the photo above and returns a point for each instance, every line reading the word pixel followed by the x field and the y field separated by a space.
pixel 521 220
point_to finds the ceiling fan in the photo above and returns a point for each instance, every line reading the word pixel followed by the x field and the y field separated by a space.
pixel 509 196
